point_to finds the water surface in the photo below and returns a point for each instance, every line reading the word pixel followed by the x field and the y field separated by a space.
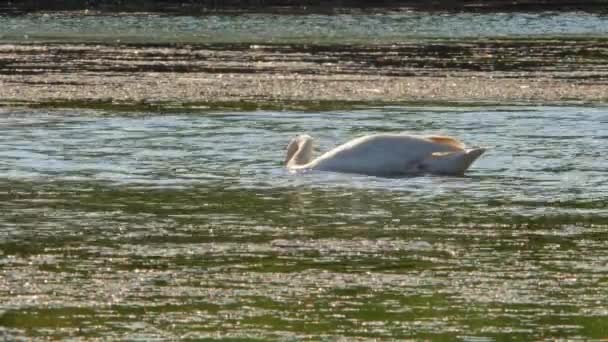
pixel 312 28
pixel 142 226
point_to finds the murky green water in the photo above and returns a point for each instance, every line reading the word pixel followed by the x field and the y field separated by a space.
pixel 326 29
pixel 141 226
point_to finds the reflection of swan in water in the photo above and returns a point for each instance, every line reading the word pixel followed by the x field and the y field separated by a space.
pixel 385 155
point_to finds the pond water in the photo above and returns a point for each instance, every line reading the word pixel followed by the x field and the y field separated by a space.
pixel 144 225
pixel 312 28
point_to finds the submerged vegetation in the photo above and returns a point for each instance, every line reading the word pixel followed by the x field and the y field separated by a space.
pixel 297 75
pixel 123 226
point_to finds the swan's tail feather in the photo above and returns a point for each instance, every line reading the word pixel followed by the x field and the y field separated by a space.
pixel 445 140
pixel 451 162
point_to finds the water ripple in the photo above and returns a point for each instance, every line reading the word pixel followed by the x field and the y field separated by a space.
pixel 311 28
pixel 130 226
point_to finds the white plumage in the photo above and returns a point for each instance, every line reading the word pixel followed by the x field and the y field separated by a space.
pixel 385 155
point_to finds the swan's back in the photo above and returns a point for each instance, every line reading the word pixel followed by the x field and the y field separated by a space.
pixel 384 154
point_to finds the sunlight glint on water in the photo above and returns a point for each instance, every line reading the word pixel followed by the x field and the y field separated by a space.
pixel 186 225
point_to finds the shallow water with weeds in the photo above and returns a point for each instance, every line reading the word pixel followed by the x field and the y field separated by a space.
pixel 185 225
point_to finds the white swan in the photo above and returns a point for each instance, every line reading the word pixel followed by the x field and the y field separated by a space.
pixel 385 155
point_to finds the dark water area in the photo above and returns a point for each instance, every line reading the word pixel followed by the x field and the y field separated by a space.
pixel 148 226
pixel 299 6
pixel 580 59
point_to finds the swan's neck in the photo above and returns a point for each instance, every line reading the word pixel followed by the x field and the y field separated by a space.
pixel 299 153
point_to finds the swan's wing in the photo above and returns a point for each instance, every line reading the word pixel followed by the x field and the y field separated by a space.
pixel 445 140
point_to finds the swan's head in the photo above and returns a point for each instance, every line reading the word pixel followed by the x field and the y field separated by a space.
pixel 451 163
pixel 299 150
